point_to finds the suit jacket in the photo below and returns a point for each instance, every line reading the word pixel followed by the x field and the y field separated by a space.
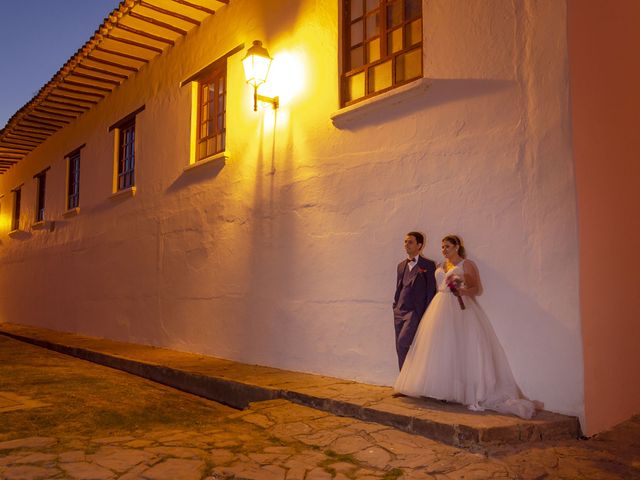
pixel 422 288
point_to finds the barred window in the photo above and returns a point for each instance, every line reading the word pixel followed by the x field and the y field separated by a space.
pixel 382 46
pixel 125 152
pixel 41 180
pixel 73 180
pixel 126 155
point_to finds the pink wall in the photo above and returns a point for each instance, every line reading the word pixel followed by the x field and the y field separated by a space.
pixel 605 87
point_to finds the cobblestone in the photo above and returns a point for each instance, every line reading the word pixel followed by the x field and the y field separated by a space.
pixel 175 469
pixel 155 433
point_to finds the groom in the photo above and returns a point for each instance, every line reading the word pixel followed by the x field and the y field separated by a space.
pixel 415 288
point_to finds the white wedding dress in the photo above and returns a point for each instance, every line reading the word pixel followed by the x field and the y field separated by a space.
pixel 456 356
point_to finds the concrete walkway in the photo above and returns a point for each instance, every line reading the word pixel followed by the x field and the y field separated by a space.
pixel 237 385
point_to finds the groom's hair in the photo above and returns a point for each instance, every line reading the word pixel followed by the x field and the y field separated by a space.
pixel 418 236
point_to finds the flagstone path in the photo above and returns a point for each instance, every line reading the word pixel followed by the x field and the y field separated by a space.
pixel 93 422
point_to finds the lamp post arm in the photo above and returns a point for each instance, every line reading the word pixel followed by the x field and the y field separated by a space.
pixel 275 101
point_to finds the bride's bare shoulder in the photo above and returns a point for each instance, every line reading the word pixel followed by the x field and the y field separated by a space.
pixel 469 265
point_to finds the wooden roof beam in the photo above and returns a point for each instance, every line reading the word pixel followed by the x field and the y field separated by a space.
pixel 100 70
pixel 197 7
pixel 14 146
pixel 21 134
pixel 39 126
pixel 89 94
pixel 135 44
pixel 142 33
pixel 63 109
pixel 122 54
pixel 112 64
pixel 73 99
pixel 45 120
pixel 42 109
pixel 21 140
pixel 22 155
pixel 30 130
pixel 16 141
pixel 170 13
pixel 157 23
pixel 13 154
pixel 87 85
pixel 94 78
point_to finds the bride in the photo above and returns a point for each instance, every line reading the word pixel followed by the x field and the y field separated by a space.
pixel 456 355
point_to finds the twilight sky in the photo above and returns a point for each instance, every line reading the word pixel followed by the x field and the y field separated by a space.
pixel 37 37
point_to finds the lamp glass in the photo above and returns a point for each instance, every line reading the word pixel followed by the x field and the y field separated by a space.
pixel 256 64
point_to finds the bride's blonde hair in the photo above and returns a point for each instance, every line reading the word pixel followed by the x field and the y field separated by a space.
pixel 455 240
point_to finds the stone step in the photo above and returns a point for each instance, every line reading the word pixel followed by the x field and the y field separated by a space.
pixel 237 385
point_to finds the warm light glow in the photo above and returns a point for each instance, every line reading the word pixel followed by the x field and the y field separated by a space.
pixel 287 77
pixel 5 222
pixel 256 64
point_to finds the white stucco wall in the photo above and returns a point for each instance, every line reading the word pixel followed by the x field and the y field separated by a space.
pixel 286 254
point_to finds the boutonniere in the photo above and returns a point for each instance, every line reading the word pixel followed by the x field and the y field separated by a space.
pixel 422 270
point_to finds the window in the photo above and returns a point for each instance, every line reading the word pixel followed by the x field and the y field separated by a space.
pixel 381 45
pixel 126 156
pixel 125 152
pixel 73 180
pixel 211 113
pixel 208 136
pixel 15 221
pixel 41 180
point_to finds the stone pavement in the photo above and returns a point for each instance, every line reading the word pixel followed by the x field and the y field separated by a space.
pixel 83 421
pixel 238 384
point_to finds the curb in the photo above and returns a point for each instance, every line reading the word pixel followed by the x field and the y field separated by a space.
pixel 240 394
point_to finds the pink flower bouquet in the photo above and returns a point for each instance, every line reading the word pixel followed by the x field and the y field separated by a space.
pixel 454 282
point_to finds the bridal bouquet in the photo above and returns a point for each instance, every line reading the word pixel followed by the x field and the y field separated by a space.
pixel 454 282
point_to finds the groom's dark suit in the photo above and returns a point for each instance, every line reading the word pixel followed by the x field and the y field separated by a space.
pixel 415 288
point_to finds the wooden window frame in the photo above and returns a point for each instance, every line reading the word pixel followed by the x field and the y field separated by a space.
pixel 41 194
pixel 124 156
pixel 15 214
pixel 216 115
pixel 73 179
pixel 366 68
pixel 216 68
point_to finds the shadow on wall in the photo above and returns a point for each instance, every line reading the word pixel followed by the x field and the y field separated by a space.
pixel 277 16
pixel 199 173
pixel 21 235
pixel 514 332
pixel 273 246
pixel 440 92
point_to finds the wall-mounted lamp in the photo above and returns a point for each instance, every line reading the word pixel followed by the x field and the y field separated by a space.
pixel 256 65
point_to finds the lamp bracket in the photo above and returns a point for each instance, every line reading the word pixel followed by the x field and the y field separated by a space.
pixel 275 101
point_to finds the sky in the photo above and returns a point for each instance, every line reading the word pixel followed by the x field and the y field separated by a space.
pixel 37 37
